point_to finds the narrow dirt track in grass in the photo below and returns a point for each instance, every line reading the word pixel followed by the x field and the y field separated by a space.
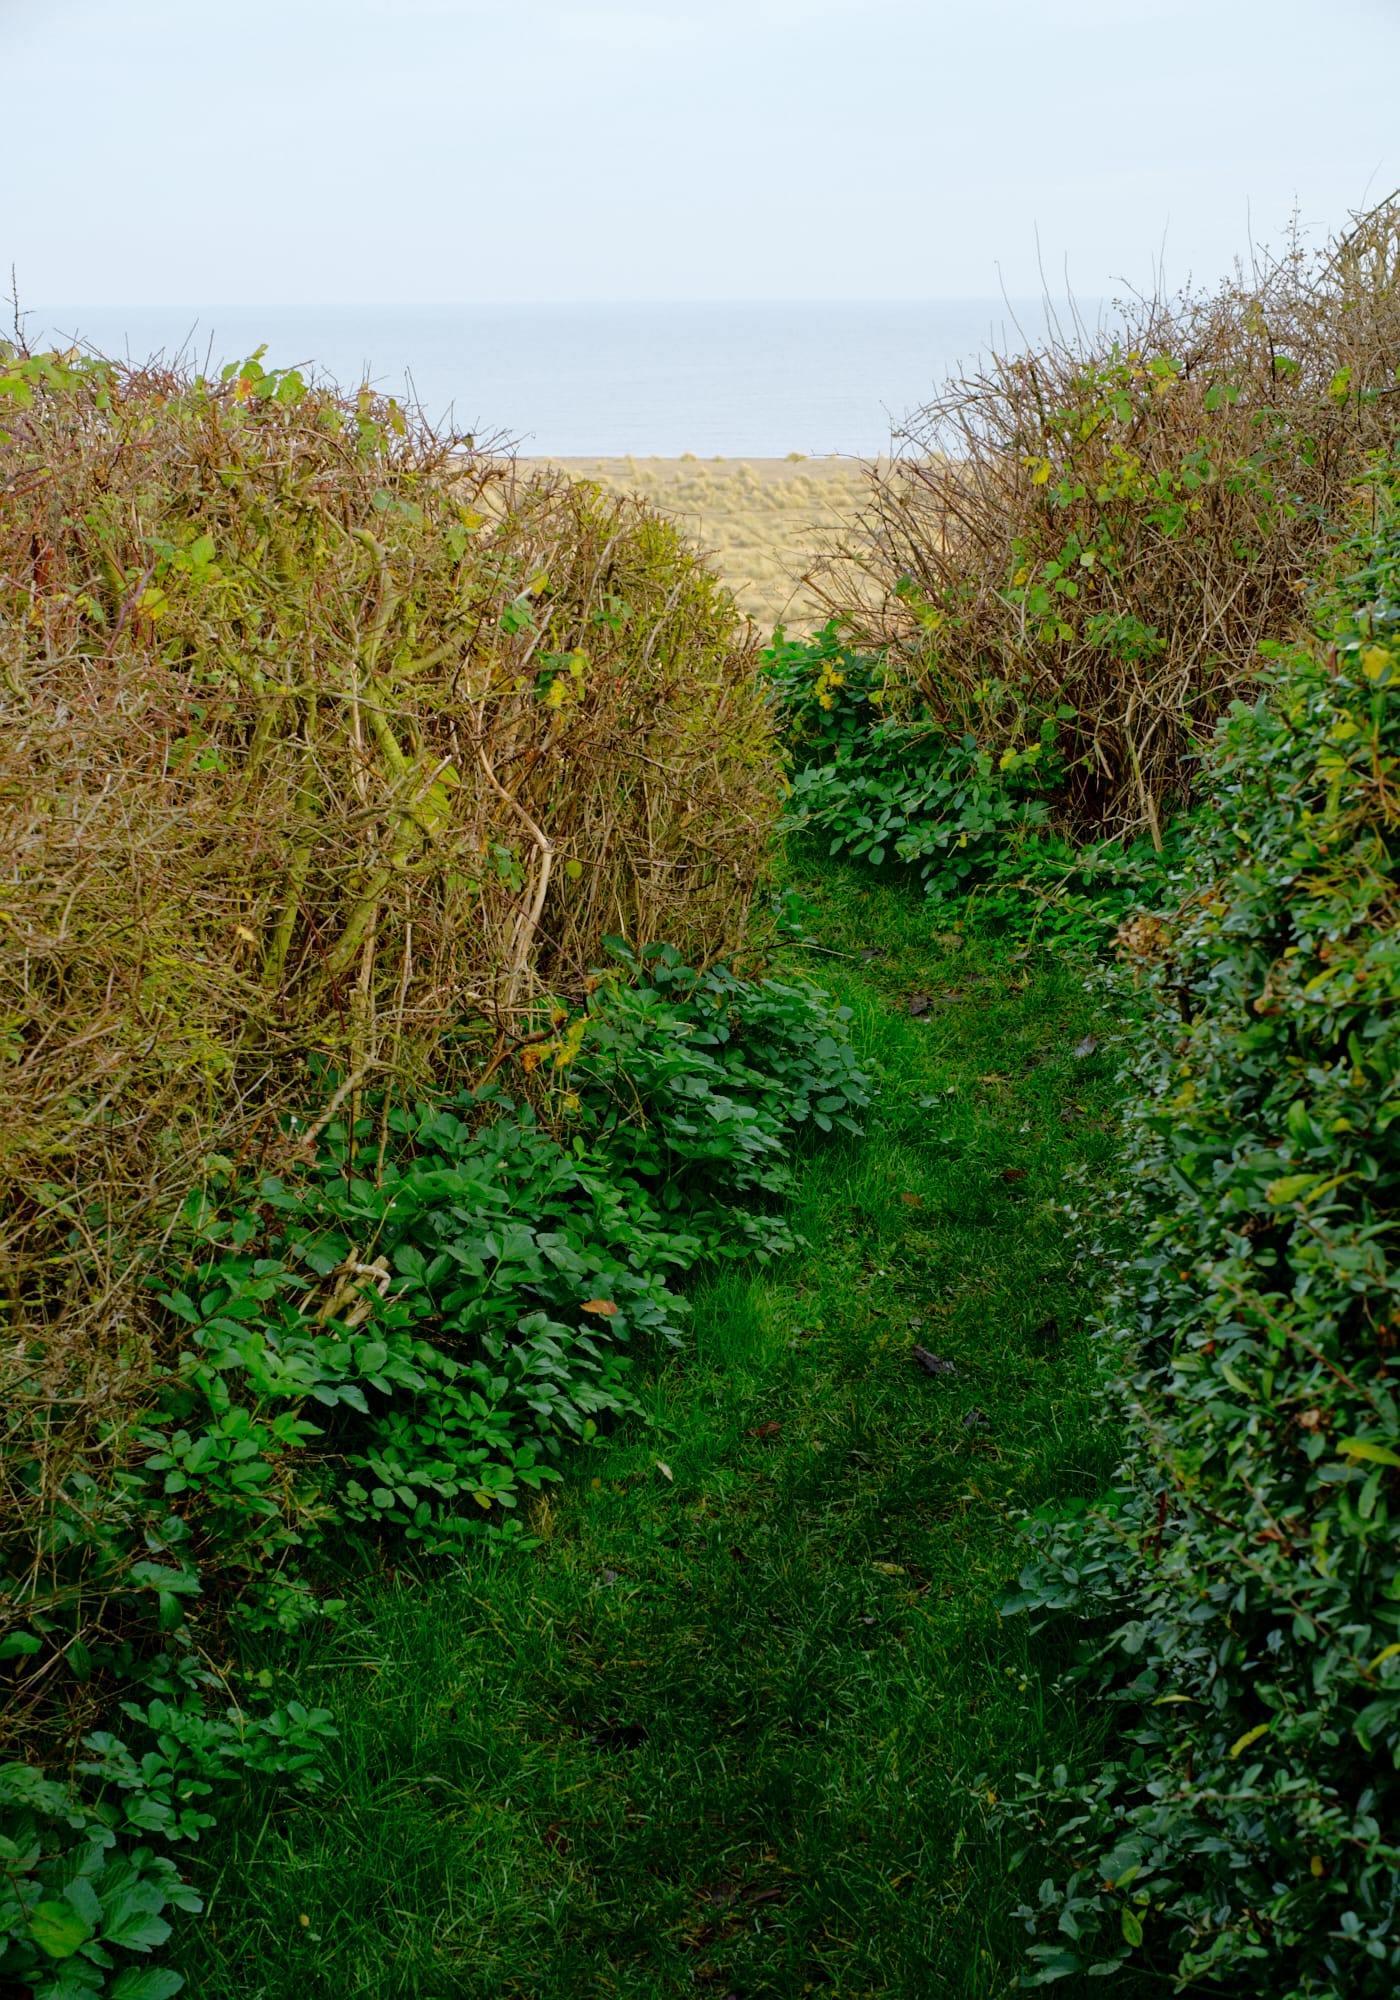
pixel 736 1725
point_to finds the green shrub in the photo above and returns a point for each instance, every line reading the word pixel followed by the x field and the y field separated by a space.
pixel 1239 1594
pixel 71 1908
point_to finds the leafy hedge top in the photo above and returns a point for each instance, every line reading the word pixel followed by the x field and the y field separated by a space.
pixel 1250 1567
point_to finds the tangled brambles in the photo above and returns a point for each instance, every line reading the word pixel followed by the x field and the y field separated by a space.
pixel 1113 524
pixel 325 748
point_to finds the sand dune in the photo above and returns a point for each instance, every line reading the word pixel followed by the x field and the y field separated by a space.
pixel 761 518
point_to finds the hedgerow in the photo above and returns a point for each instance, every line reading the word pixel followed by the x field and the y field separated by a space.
pixel 1239 1593
pixel 328 749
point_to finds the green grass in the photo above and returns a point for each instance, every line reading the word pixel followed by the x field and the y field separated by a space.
pixel 736 1724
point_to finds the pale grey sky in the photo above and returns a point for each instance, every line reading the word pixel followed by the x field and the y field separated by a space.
pixel 459 151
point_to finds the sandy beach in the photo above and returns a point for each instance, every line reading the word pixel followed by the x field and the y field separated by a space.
pixel 762 519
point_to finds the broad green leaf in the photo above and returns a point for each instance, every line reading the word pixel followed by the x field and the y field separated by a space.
pixel 58 1929
pixel 81 1894
pixel 152 1983
pixel 137 1932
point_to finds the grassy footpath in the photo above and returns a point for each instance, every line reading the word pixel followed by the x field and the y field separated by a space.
pixel 734 1726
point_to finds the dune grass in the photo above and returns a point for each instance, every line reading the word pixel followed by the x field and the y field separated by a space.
pixel 761 522
pixel 736 1725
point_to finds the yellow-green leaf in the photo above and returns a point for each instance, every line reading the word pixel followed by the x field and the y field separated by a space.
pixel 1301 1187
pixel 1242 1743
pixel 1378 1454
pixel 1291 1188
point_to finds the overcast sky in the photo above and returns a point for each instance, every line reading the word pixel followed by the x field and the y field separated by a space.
pixel 458 151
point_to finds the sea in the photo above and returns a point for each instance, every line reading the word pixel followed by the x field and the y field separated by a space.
pixel 743 380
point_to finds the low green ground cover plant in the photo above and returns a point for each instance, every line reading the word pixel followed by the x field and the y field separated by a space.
pixel 968 810
pixel 698 1081
pixel 1238 1595
pixel 402 1332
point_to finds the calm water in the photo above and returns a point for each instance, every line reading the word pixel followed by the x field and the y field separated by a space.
pixel 757 380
